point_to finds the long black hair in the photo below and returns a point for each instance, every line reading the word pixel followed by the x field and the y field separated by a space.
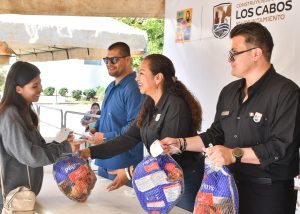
pixel 20 74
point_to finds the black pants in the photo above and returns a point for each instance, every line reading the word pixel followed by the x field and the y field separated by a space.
pixel 278 197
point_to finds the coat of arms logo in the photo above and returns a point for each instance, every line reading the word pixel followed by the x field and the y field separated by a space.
pixel 222 20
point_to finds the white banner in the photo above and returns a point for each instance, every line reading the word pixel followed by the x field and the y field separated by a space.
pixel 201 62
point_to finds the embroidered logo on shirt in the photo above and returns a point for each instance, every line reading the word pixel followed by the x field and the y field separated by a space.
pixel 157 117
pixel 225 113
pixel 257 117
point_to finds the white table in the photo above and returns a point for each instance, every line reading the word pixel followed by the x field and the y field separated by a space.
pixel 52 201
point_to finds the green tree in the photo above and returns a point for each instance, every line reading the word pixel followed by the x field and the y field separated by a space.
pixel 63 92
pixel 100 92
pixel 89 93
pixel 155 31
pixel 2 77
pixel 49 91
pixel 2 80
pixel 76 94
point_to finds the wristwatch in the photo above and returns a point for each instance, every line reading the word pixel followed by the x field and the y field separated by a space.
pixel 238 154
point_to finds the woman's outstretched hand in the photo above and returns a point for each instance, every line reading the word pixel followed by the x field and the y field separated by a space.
pixel 84 153
pixel 75 144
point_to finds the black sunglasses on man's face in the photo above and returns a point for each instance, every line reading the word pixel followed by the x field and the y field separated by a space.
pixel 113 60
pixel 232 54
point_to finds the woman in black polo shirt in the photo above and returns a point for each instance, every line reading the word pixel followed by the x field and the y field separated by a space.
pixel 169 110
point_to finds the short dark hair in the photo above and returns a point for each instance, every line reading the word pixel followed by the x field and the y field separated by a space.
pixel 122 47
pixel 255 34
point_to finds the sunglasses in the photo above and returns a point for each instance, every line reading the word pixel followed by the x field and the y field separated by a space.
pixel 232 54
pixel 113 60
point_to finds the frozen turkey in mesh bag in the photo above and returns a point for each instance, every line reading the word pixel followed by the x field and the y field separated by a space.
pixel 74 177
pixel 218 192
pixel 158 183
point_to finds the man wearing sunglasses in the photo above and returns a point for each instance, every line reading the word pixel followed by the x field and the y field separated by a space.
pixel 256 128
pixel 121 104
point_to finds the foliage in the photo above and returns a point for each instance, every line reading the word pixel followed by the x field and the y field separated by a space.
pixel 3 73
pixel 100 92
pixel 89 94
pixel 2 80
pixel 49 91
pixel 76 94
pixel 155 31
pixel 63 92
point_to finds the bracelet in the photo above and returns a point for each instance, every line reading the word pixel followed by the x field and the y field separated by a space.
pixel 131 173
pixel 127 173
pixel 180 144
pixel 184 145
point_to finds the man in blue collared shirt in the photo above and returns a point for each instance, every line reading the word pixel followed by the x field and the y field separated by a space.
pixel 120 107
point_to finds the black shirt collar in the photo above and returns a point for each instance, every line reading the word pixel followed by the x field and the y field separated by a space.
pixel 257 85
pixel 160 104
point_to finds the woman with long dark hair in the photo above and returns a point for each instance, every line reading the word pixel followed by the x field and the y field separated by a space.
pixel 169 110
pixel 21 144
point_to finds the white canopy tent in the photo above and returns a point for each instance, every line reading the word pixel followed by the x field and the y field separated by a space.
pixel 43 38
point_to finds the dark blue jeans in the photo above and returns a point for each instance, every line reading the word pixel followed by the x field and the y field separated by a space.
pixel 192 181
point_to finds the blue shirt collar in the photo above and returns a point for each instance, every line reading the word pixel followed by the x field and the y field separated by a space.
pixel 125 80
